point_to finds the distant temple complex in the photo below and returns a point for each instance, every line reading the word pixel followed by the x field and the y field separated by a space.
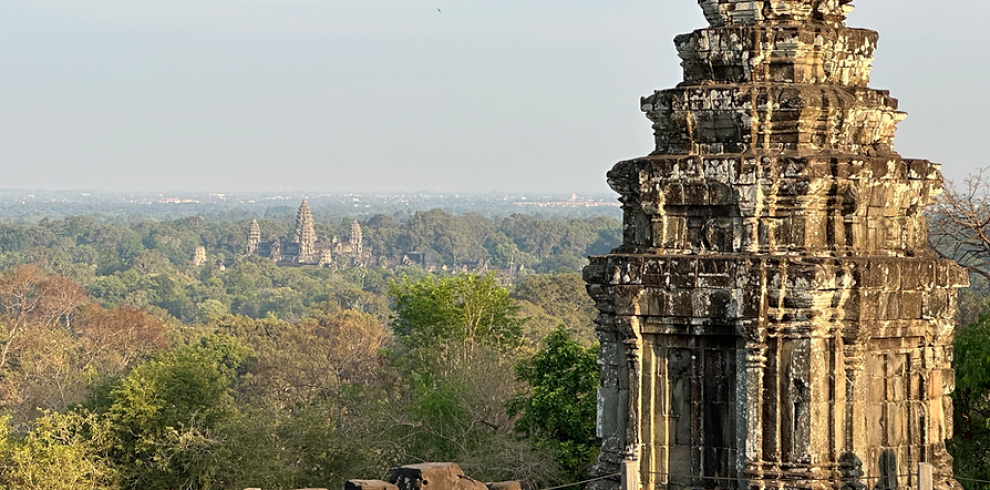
pixel 305 248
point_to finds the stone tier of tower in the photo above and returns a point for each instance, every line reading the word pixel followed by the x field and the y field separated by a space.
pixel 774 317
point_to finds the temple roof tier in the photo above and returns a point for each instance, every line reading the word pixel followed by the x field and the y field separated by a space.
pixel 807 53
pixel 714 119
pixel 748 12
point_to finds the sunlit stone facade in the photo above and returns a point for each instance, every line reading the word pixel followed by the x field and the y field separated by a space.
pixel 774 317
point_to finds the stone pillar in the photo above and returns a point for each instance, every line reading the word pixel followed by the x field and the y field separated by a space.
pixel 774 317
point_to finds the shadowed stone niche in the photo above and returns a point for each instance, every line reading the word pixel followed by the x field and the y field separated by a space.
pixel 774 318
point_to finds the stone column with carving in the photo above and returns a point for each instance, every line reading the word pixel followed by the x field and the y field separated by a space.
pixel 774 317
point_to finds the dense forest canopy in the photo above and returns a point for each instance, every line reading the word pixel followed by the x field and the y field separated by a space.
pixel 150 263
pixel 124 363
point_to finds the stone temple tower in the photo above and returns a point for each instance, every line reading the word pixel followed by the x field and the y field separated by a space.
pixel 774 317
pixel 356 238
pixel 305 235
pixel 253 237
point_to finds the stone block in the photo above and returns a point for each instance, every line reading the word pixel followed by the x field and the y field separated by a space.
pixel 695 195
pixel 369 485
pixel 751 304
pixel 509 485
pixel 911 304
pixel 683 272
pixel 869 302
pixel 433 476
pixel 888 307
pixel 799 298
pixel 679 303
pixel 595 272
pixel 673 194
pixel 653 273
pixel 628 300
pixel 716 273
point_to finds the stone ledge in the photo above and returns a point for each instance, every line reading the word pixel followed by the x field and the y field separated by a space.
pixel 808 53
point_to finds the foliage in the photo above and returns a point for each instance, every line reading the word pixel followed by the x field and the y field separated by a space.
pixel 459 340
pixel 457 413
pixel 972 302
pixel 299 364
pixel 60 453
pixel 548 300
pixel 971 400
pixel 559 412
pixel 56 348
pixel 126 366
pixel 29 299
pixel 469 309
pixel 164 416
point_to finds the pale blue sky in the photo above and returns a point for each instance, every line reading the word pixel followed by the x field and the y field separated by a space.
pixel 389 95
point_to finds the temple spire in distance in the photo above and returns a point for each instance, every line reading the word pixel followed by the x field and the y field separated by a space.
pixel 356 238
pixel 305 233
pixel 254 237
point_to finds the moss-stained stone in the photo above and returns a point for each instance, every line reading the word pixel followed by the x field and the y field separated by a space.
pixel 774 317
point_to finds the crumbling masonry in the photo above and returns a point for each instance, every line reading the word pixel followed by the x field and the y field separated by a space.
pixel 774 317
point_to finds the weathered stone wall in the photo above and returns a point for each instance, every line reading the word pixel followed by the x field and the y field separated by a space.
pixel 774 317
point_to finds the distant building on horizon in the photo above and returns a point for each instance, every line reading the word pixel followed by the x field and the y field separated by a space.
pixel 305 248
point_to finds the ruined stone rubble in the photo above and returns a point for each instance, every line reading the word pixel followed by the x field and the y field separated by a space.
pixel 774 317
pixel 432 476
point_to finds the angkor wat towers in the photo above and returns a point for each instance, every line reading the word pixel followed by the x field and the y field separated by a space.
pixel 774 317
pixel 305 247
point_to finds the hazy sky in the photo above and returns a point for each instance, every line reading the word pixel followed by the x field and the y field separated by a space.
pixel 368 95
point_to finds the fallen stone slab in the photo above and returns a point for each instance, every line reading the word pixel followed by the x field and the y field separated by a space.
pixel 369 485
pixel 508 485
pixel 433 476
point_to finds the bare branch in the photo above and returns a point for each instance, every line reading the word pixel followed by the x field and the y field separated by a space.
pixel 959 224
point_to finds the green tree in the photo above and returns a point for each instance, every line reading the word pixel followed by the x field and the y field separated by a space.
pixel 459 340
pixel 149 262
pixel 166 415
pixel 559 411
pixel 553 299
pixel 472 310
pixel 382 234
pixel 971 400
pixel 61 452
pixel 319 358
pixel 454 238
pixel 129 245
